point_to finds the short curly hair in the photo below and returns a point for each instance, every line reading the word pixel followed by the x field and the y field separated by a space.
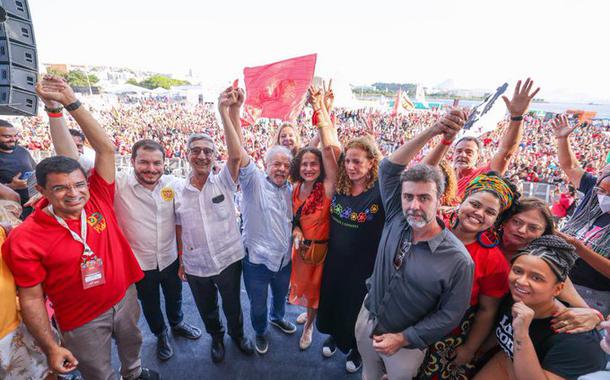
pixel 368 145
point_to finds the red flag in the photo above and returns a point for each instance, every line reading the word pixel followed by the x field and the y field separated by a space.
pixel 278 90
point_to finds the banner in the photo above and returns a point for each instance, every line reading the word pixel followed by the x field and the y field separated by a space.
pixel 277 90
pixel 485 116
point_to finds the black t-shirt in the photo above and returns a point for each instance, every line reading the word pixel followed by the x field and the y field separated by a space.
pixel 18 161
pixel 565 355
pixel 582 273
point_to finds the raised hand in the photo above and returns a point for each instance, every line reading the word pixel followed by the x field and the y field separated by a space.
pixel 329 95
pixel 522 98
pixel 55 89
pixel 315 98
pixel 561 127
pixel 227 99
pixel 450 124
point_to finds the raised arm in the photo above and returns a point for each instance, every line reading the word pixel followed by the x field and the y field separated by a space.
pixel 234 151
pixel 436 154
pixel 234 113
pixel 35 317
pixel 55 88
pixel 60 136
pixel 517 107
pixel 328 136
pixel 449 124
pixel 567 159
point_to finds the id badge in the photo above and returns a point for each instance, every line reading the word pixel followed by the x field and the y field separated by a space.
pixel 92 272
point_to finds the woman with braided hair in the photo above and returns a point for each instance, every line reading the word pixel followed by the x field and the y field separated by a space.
pixel 531 348
pixel 488 199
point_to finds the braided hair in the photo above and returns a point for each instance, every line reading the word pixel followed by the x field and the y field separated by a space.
pixel 555 251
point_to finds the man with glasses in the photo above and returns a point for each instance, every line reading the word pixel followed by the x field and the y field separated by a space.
pixel 209 235
pixel 420 287
pixel 72 251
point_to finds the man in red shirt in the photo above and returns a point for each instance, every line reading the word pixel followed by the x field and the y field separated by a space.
pixel 467 149
pixel 72 250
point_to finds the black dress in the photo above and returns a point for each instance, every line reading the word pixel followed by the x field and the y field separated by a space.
pixel 355 231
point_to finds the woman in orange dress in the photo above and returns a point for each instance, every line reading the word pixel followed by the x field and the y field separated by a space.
pixel 314 174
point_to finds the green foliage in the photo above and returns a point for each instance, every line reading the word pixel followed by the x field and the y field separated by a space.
pixel 77 78
pixel 133 81
pixel 159 81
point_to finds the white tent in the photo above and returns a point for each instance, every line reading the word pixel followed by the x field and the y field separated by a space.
pixel 159 91
pixel 126 89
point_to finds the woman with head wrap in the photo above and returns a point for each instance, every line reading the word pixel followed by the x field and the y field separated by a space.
pixel 488 199
pixel 531 348
pixel 589 228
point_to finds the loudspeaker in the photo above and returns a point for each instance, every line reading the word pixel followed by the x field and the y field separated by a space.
pixel 18 60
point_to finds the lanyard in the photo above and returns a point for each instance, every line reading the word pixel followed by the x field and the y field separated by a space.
pixel 83 230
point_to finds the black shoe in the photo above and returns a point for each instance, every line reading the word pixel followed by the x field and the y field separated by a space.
pixel 164 349
pixel 329 347
pixel 218 348
pixel 245 345
pixel 353 361
pixel 285 326
pixel 185 330
pixel 149 374
pixel 261 344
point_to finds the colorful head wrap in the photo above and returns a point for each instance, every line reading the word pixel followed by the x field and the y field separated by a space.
pixel 495 185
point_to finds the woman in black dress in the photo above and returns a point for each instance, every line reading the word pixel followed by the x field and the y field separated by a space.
pixel 357 218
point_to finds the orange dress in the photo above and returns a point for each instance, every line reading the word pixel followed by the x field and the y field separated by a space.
pixel 305 279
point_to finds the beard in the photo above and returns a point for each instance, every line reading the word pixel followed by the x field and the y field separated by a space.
pixel 143 179
pixel 416 219
pixel 4 146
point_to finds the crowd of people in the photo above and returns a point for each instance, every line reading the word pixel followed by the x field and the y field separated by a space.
pixel 407 243
pixel 173 121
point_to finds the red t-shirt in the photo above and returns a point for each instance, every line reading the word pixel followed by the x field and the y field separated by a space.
pixel 463 181
pixel 490 271
pixel 40 250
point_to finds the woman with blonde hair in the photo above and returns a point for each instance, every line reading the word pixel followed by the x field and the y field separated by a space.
pixel 357 218
pixel 288 136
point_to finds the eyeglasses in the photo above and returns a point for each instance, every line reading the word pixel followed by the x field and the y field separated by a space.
pixel 532 228
pixel 405 246
pixel 197 151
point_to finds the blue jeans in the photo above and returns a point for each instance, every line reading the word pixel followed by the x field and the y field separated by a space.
pixel 258 278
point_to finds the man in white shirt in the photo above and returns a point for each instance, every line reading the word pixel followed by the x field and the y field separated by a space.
pixel 212 247
pixel 145 208
pixel 144 205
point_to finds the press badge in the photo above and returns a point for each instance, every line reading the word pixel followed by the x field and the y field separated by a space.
pixel 92 272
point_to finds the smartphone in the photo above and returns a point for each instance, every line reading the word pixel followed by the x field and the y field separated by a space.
pixel 26 175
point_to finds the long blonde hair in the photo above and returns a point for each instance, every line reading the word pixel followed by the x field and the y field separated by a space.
pixel 367 144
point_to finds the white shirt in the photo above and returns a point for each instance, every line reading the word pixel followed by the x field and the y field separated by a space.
pixel 147 218
pixel 210 235
pixel 267 216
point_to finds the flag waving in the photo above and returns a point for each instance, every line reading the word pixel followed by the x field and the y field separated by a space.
pixel 278 90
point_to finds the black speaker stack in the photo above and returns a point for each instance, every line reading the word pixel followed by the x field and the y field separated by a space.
pixel 18 59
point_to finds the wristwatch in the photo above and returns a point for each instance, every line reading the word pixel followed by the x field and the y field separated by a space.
pixel 73 106
pixel 53 110
pixel 512 118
